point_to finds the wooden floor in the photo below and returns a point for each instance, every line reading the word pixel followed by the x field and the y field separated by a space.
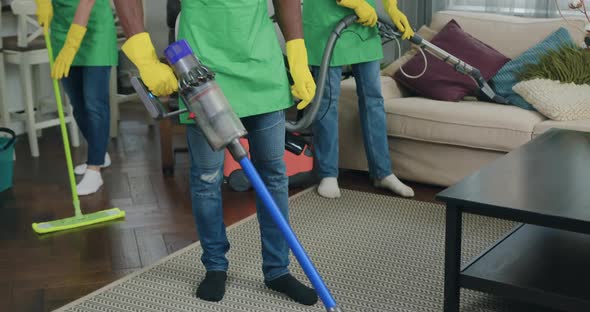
pixel 41 273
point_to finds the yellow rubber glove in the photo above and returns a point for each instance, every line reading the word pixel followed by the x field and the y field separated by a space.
pixel 65 58
pixel 304 86
pixel 399 18
pixel 157 76
pixel 366 13
pixel 44 13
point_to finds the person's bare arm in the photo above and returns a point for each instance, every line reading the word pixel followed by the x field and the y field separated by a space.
pixel 83 12
pixel 130 14
pixel 288 14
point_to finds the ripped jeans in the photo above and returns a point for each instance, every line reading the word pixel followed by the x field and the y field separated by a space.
pixel 266 137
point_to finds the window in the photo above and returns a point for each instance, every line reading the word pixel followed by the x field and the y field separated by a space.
pixel 541 8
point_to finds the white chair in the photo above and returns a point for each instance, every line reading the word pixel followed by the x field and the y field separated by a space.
pixel 27 50
pixel 4 112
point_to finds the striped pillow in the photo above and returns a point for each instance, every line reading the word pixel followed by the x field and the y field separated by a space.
pixel 506 79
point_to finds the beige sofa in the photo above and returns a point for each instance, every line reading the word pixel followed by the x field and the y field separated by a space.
pixel 439 142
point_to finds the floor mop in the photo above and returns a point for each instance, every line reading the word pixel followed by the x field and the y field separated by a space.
pixel 79 219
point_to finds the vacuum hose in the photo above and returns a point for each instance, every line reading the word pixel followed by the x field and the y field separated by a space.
pixel 387 31
pixel 309 117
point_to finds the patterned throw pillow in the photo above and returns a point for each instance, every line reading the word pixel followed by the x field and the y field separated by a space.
pixel 556 100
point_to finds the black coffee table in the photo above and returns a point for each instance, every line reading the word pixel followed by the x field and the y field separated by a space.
pixel 545 185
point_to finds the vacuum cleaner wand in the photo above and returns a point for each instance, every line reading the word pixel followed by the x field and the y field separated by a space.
pixel 208 106
pixel 390 32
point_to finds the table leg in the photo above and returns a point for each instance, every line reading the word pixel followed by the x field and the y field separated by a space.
pixel 452 258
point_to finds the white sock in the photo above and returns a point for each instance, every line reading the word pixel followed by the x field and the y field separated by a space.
pixel 81 169
pixel 91 183
pixel 329 188
pixel 393 184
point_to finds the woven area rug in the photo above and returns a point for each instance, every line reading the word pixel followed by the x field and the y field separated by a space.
pixel 375 252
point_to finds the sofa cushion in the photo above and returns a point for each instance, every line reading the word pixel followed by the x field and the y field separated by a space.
pixel 441 81
pixel 556 100
pixel 471 124
pixel 578 125
pixel 506 78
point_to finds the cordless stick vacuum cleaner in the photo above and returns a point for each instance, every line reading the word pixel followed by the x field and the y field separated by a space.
pixel 208 106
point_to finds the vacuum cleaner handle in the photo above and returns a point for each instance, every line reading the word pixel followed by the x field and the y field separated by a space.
pixel 416 39
pixel 151 102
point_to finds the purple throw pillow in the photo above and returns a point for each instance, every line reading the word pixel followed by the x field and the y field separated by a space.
pixel 441 81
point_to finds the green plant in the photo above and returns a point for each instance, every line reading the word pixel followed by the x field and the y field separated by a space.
pixel 568 64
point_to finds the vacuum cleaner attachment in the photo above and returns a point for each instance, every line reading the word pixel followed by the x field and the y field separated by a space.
pixel 210 109
pixel 390 32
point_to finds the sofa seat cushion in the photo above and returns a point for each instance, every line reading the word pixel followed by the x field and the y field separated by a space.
pixel 578 125
pixel 472 124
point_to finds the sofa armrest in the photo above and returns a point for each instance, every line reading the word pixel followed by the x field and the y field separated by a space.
pixel 391 89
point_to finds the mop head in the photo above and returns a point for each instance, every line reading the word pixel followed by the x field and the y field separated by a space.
pixel 78 221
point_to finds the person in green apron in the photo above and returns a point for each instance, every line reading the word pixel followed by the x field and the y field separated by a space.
pixel 359 46
pixel 83 32
pixel 237 40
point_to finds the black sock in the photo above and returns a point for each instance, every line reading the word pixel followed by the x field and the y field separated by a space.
pixel 290 286
pixel 212 288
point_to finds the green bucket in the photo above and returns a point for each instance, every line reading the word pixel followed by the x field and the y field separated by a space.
pixel 6 158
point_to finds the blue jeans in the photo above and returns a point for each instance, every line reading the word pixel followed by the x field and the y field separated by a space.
pixel 372 117
pixel 266 137
pixel 87 88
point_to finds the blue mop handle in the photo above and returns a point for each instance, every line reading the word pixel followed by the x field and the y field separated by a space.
pixel 298 251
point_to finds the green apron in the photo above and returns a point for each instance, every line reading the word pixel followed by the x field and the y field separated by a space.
pixel 357 44
pixel 237 40
pixel 99 47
